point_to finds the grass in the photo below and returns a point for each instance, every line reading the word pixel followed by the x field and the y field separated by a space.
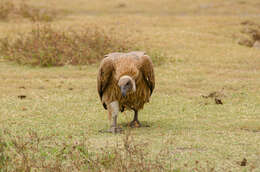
pixel 251 33
pixel 45 46
pixel 11 10
pixel 5 9
pixel 28 155
pixel 55 127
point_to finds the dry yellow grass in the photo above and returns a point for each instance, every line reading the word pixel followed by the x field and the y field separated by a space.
pixel 200 39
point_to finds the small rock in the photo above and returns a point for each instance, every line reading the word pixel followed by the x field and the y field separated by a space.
pixel 257 44
pixel 246 42
pixel 22 96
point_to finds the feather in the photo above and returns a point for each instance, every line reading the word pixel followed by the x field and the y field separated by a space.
pixel 138 66
pixel 148 73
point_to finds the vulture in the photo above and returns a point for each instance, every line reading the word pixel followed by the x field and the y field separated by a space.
pixel 125 81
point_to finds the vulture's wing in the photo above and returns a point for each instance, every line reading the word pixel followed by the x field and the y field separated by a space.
pixel 148 72
pixel 104 75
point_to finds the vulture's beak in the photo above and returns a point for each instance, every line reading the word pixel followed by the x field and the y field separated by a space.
pixel 123 91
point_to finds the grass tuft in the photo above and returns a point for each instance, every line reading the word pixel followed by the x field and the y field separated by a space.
pixel 158 57
pixel 11 10
pixel 46 46
pixel 33 151
pixel 251 30
pixel 37 14
pixel 6 8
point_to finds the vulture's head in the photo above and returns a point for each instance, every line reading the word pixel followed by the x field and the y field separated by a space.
pixel 126 84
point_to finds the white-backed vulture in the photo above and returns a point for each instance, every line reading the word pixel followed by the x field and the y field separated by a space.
pixel 125 81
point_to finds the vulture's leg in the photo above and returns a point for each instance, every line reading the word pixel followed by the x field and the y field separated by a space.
pixel 113 110
pixel 135 122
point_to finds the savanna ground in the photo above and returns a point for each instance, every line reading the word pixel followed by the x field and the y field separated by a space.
pixel 50 116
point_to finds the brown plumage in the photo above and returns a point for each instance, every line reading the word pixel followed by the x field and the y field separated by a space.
pixel 125 81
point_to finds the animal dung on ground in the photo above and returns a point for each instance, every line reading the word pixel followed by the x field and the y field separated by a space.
pixel 216 96
pixel 218 101
pixel 211 95
pixel 243 162
pixel 22 87
pixel 22 96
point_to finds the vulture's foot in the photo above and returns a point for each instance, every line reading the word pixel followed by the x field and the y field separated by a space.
pixel 113 130
pixel 135 124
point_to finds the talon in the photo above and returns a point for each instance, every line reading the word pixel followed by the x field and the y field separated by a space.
pixel 135 124
pixel 113 130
